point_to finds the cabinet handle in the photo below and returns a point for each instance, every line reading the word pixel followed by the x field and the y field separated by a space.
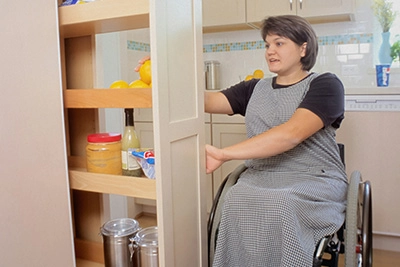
pixel 301 4
pixel 291 4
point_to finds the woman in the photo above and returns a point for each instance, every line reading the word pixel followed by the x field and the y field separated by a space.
pixel 293 191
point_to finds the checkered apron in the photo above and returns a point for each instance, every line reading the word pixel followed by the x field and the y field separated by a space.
pixel 282 206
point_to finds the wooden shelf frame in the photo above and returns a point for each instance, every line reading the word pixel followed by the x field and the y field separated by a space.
pixel 140 187
pixel 103 16
pixel 108 98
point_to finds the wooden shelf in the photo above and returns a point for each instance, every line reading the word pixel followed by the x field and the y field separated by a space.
pixel 103 16
pixel 108 98
pixel 140 187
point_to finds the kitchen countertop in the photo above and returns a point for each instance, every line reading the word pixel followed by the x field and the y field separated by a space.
pixel 373 91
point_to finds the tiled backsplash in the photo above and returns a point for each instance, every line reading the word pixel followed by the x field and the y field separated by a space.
pixel 350 56
pixel 259 44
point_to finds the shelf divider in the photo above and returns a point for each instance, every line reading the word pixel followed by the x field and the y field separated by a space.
pixel 108 98
pixel 140 187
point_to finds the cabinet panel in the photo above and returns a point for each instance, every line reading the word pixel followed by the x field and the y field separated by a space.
pixel 315 11
pixel 222 118
pixel 36 228
pixel 225 135
pixel 257 10
pixel 145 134
pixel 209 177
pixel 317 8
pixel 223 12
pixel 372 147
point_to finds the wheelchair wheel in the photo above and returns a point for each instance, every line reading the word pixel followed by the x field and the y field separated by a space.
pixel 367 226
pixel 358 238
pixel 216 210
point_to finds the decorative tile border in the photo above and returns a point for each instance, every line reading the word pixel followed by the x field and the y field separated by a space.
pixel 138 46
pixel 253 45
pixel 346 39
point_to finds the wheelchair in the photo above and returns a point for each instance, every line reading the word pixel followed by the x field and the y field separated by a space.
pixel 354 238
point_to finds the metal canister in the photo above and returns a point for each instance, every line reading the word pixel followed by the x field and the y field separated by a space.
pixel 212 74
pixel 146 246
pixel 116 242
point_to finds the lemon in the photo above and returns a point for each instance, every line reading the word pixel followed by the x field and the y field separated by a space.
pixel 145 72
pixel 248 77
pixel 119 84
pixel 258 74
pixel 138 84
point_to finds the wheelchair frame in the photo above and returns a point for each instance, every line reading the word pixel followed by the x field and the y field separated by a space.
pixel 355 235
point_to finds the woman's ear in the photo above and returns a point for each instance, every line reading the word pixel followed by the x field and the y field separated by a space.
pixel 303 49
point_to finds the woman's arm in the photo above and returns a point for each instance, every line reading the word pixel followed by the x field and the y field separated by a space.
pixel 279 139
pixel 216 102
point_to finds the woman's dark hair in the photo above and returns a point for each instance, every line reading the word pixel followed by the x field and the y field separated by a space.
pixel 296 29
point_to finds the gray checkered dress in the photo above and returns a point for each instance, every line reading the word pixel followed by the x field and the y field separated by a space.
pixel 282 206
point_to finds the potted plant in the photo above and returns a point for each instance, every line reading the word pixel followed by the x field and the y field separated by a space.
pixel 383 10
pixel 395 50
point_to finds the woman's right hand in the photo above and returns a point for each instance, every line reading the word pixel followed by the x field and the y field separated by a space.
pixel 214 158
pixel 141 61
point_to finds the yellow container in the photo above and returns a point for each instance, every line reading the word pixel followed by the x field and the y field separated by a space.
pixel 103 153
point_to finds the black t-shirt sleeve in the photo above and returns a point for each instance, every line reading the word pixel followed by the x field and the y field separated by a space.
pixel 325 98
pixel 239 95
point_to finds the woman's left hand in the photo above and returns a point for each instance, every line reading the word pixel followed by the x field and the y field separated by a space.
pixel 140 63
pixel 214 158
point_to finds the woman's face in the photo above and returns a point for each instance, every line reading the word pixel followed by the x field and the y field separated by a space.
pixel 283 55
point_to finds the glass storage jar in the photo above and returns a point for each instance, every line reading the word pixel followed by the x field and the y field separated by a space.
pixel 103 153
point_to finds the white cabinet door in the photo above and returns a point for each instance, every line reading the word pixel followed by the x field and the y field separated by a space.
pixel 223 12
pixel 257 10
pixel 372 147
pixel 209 177
pixel 318 8
pixel 224 135
pixel 145 133
pixel 178 119
pixel 325 10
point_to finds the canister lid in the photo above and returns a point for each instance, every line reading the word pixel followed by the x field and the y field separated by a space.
pixel 147 237
pixel 103 137
pixel 120 227
pixel 211 62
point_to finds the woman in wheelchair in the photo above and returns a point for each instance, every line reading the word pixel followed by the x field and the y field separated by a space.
pixel 293 192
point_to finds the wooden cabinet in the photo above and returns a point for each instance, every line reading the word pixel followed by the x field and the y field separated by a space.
pixel 179 187
pixel 248 14
pixel 315 11
pixel 224 14
pixel 334 10
pixel 226 131
pixel 372 148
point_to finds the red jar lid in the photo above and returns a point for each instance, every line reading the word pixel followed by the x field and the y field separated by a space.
pixel 103 137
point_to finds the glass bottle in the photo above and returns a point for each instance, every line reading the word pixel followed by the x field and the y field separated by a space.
pixel 130 141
